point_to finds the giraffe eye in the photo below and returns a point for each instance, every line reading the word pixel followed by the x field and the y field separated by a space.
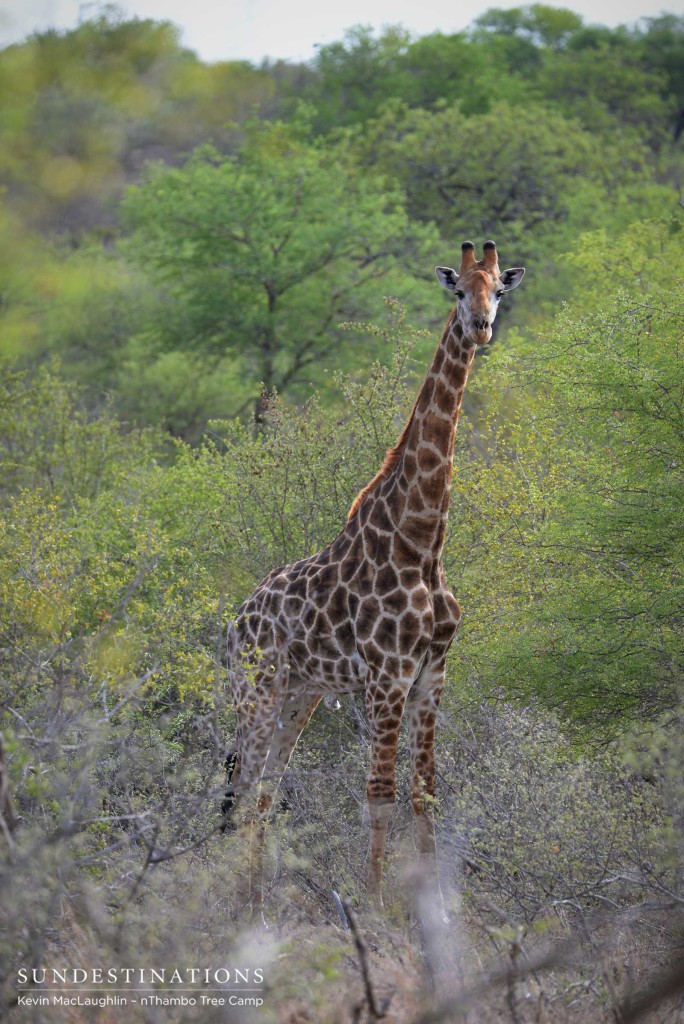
pixel 460 294
pixel 499 293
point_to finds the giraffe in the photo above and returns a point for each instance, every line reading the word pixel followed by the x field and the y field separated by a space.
pixel 371 613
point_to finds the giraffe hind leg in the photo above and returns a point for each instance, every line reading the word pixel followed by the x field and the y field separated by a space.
pixel 258 696
pixel 297 709
pixel 257 708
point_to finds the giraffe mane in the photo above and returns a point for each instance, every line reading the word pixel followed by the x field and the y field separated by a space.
pixel 392 457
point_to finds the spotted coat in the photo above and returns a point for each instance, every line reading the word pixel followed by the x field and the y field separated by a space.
pixel 371 613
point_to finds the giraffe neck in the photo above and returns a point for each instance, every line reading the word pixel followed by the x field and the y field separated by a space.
pixel 418 488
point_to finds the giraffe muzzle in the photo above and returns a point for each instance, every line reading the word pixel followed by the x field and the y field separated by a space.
pixel 480 332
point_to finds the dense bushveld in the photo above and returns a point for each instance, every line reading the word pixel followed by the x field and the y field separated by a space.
pixel 204 359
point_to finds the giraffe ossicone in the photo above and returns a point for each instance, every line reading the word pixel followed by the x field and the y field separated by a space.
pixel 371 613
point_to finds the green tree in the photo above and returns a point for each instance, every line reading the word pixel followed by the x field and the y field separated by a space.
pixel 611 79
pixel 438 67
pixel 662 51
pixel 540 24
pixel 609 91
pixel 356 75
pixel 508 171
pixel 354 78
pixel 262 255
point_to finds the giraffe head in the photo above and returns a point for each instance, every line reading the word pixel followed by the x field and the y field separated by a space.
pixel 479 284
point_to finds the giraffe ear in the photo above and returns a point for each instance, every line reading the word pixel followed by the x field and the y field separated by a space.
pixel 447 277
pixel 510 279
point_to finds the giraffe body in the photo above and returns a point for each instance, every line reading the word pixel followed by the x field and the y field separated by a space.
pixel 371 613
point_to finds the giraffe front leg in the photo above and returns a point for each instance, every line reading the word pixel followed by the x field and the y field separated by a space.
pixel 385 706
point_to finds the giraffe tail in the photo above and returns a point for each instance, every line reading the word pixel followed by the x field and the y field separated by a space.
pixel 229 799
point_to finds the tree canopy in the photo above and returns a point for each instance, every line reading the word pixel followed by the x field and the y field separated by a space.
pixel 263 254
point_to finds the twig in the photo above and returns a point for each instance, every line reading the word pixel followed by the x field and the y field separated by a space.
pixel 376 1013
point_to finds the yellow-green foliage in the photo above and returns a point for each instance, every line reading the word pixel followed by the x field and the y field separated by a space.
pixel 95 565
